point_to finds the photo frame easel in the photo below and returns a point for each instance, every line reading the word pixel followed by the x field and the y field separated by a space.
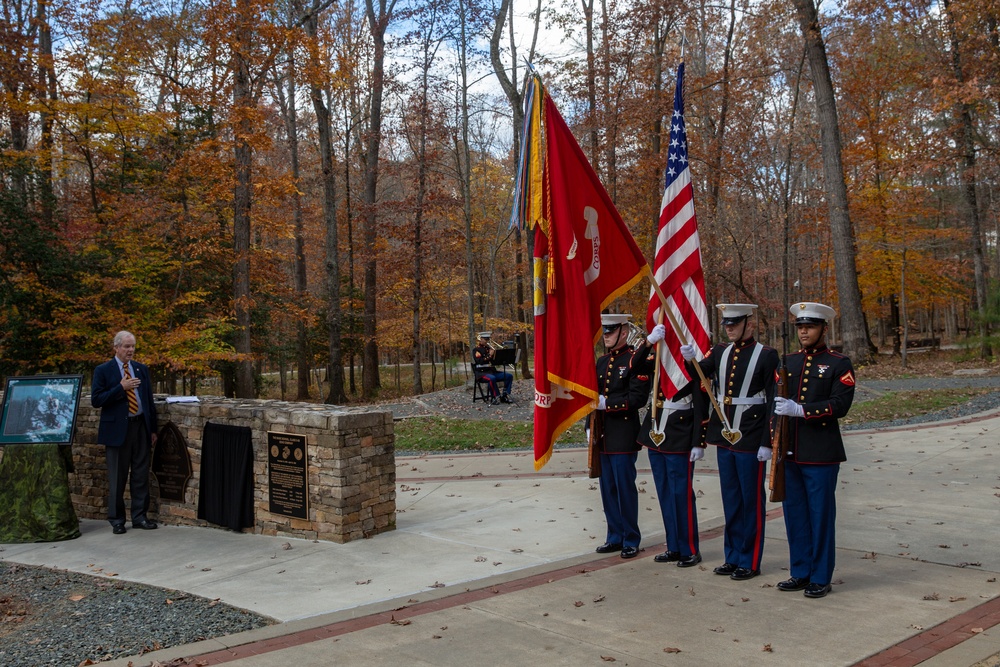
pixel 40 409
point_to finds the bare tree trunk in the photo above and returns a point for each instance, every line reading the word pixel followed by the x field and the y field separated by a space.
pixel 349 215
pixel 718 143
pixel 610 122
pixel 46 88
pixel 857 344
pixel 334 316
pixel 588 17
pixel 429 50
pixel 243 154
pixel 463 157
pixel 290 112
pixel 377 24
pixel 967 145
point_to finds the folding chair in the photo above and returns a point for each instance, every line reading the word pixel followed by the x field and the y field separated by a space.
pixel 482 388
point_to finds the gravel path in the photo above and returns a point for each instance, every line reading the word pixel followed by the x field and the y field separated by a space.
pixel 52 617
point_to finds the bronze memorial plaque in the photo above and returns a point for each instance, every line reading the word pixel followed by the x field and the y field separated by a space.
pixel 171 462
pixel 287 474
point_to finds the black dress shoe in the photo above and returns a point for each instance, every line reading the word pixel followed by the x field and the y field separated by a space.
pixel 793 584
pixel 743 573
pixel 505 398
pixel 667 557
pixel 118 529
pixel 145 524
pixel 726 569
pixel 817 590
pixel 629 552
pixel 608 547
pixel 689 561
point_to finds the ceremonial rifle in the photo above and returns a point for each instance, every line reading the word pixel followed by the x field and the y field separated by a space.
pixel 594 444
pixel 779 440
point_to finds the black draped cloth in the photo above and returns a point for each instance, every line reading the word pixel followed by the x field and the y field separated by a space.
pixel 225 496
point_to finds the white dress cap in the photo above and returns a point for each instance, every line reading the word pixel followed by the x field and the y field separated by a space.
pixel 611 321
pixel 733 313
pixel 810 312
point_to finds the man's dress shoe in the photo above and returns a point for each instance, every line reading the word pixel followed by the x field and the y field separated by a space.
pixel 689 561
pixel 817 590
pixel 629 552
pixel 118 529
pixel 726 569
pixel 793 584
pixel 667 557
pixel 145 524
pixel 743 573
pixel 608 547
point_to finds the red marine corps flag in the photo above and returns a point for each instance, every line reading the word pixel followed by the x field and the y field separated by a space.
pixel 584 258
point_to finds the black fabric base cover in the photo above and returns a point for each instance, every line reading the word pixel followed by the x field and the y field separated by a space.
pixel 225 496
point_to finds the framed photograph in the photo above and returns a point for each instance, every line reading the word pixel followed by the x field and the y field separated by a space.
pixel 40 409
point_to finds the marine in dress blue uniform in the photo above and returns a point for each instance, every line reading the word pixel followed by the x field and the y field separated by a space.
pixel 821 389
pixel 743 373
pixel 482 356
pixel 623 379
pixel 682 421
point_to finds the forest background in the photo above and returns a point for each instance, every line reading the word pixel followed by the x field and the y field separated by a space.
pixel 256 186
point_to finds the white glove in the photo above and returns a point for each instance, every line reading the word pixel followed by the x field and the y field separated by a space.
pixel 697 454
pixel 688 352
pixel 602 403
pixel 784 407
pixel 658 333
pixel 587 430
pixel 764 454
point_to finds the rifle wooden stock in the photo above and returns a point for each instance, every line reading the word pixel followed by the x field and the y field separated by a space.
pixel 779 443
pixel 594 446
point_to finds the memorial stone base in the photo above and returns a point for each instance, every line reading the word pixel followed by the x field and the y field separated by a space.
pixel 350 472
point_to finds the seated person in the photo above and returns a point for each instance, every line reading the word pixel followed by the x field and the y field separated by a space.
pixel 482 357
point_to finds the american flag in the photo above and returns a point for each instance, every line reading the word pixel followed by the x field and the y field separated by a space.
pixel 677 266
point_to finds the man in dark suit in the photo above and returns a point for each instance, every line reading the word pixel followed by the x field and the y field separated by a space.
pixel 124 392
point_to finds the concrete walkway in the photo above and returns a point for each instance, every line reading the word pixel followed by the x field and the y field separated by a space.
pixel 493 564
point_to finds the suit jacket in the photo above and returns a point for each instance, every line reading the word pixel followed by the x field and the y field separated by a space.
pixel 107 394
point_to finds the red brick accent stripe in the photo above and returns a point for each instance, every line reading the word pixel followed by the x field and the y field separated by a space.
pixel 420 608
pixel 938 639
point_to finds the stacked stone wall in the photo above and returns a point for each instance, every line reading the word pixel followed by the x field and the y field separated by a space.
pixel 351 471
